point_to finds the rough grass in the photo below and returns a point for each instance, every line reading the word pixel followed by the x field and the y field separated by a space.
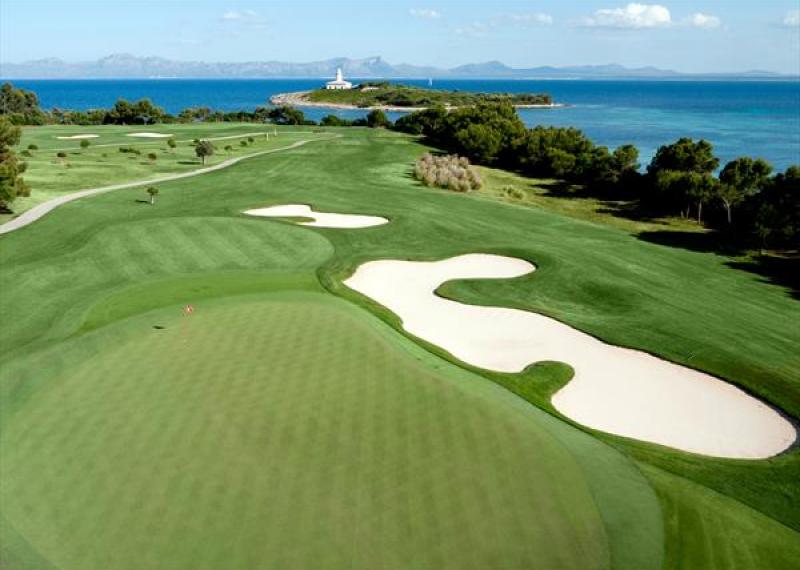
pixel 90 267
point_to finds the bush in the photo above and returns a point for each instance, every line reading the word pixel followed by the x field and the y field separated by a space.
pixel 26 153
pixel 378 118
pixel 152 156
pixel 33 147
pixel 228 147
pixel 512 192
pixel 452 172
pixel 251 139
pixel 243 143
pixel 61 154
pixel 84 144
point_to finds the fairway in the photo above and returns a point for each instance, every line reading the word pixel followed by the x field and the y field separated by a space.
pixel 290 422
pixel 103 163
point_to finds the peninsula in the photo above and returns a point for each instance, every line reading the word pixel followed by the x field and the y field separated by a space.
pixel 388 96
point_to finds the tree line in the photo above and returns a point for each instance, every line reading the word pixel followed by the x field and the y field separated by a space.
pixel 746 201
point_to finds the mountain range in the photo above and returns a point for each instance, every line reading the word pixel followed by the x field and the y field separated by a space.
pixel 130 66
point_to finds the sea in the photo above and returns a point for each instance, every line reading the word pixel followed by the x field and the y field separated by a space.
pixel 740 118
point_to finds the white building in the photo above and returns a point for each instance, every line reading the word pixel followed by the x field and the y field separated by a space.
pixel 339 82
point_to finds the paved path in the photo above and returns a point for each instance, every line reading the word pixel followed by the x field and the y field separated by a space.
pixel 38 211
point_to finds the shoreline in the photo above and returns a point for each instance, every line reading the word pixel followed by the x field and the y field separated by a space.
pixel 298 99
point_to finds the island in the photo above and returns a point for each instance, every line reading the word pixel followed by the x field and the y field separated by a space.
pixel 388 96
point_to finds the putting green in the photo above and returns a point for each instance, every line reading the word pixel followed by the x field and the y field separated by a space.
pixel 292 430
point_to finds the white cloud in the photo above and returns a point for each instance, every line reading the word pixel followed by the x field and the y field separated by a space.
pixel 425 13
pixel 244 19
pixel 700 20
pixel 792 19
pixel 478 29
pixel 632 16
pixel 535 18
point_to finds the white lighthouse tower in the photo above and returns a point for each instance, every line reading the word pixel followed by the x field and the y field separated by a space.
pixel 339 82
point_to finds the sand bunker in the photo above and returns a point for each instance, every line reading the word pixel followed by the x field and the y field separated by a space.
pixel 617 390
pixel 74 137
pixel 149 135
pixel 321 219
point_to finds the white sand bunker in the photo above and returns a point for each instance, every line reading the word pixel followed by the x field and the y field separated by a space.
pixel 617 390
pixel 321 219
pixel 149 135
pixel 75 137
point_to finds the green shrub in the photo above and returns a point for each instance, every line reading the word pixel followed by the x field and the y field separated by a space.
pixel 61 154
pixel 33 147
pixel 26 153
pixel 251 139
pixel 84 144
pixel 228 147
pixel 452 172
pixel 512 192
pixel 152 156
pixel 243 143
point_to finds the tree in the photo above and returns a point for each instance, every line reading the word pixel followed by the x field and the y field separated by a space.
pixel 11 182
pixel 377 118
pixel 685 155
pixel 204 149
pixel 152 190
pixel 286 115
pixel 428 122
pixel 84 144
pixel 171 144
pixel 141 112
pixel 334 121
pixel 680 175
pixel 561 153
pixel 20 107
pixel 777 210
pixel 739 179
pixel 485 133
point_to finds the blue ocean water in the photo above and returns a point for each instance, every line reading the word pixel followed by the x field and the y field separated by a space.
pixel 755 118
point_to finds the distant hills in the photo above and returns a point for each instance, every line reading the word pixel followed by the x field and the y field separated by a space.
pixel 130 66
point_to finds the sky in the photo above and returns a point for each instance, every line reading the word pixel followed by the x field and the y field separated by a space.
pixel 684 35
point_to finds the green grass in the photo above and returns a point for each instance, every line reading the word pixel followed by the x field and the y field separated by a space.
pixel 143 442
pixel 555 196
pixel 102 164
pixel 324 440
pixel 705 529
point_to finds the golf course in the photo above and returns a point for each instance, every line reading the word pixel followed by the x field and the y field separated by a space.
pixel 294 355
